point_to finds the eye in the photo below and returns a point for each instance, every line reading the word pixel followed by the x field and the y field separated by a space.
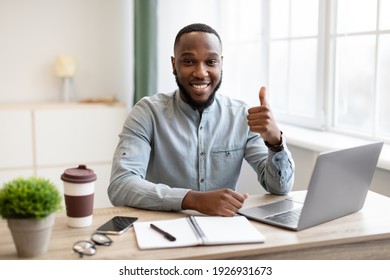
pixel 212 62
pixel 188 61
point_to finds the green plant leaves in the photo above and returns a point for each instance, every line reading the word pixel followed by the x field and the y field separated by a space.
pixel 32 197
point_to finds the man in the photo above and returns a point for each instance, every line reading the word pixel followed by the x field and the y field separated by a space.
pixel 184 150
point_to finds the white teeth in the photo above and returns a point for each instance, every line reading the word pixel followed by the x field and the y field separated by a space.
pixel 199 86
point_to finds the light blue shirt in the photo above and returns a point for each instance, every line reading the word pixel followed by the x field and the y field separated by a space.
pixel 166 149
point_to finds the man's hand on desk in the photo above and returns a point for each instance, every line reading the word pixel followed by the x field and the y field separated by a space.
pixel 224 202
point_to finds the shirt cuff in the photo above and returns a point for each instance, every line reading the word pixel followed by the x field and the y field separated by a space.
pixel 282 168
pixel 173 199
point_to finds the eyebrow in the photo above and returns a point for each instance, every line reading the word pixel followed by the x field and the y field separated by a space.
pixel 192 54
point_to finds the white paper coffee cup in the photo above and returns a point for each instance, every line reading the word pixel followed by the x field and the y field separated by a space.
pixel 79 187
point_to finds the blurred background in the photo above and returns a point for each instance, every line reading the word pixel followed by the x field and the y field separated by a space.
pixel 326 66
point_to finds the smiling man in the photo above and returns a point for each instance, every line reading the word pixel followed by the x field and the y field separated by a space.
pixel 184 150
pixel 197 66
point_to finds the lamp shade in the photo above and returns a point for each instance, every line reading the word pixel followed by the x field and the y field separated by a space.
pixel 65 66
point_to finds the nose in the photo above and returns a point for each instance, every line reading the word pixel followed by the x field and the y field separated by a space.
pixel 200 71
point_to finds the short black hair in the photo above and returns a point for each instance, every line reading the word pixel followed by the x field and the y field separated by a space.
pixel 196 27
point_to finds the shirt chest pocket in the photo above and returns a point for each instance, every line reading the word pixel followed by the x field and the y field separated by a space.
pixel 225 164
pixel 227 153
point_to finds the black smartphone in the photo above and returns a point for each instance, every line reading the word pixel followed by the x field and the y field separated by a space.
pixel 117 225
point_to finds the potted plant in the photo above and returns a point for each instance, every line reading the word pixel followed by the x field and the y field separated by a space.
pixel 29 205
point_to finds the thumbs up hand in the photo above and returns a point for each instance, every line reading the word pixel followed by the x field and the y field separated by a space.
pixel 261 120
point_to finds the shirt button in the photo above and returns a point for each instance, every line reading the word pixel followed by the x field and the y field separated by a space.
pixel 202 153
pixel 202 180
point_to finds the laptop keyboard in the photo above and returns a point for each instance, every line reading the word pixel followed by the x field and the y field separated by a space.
pixel 289 218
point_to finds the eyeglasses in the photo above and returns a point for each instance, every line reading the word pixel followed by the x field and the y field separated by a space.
pixel 88 248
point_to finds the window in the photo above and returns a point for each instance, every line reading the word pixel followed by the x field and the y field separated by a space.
pixel 361 84
pixel 295 61
pixel 326 63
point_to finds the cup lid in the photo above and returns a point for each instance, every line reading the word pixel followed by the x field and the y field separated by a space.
pixel 80 175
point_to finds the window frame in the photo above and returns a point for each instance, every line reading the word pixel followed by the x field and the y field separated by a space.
pixel 375 133
pixel 319 121
pixel 325 119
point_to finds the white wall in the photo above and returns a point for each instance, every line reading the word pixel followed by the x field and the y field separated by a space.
pixel 98 32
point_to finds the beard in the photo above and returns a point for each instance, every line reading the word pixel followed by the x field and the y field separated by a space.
pixel 198 105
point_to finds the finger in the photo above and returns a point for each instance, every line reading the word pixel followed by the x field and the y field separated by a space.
pixel 255 110
pixel 263 97
pixel 227 213
pixel 234 203
pixel 231 208
pixel 239 197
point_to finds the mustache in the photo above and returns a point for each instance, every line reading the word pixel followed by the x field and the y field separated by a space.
pixel 196 105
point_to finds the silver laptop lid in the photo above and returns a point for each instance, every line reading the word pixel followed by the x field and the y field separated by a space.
pixel 339 183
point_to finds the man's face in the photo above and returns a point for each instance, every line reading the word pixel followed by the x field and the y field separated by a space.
pixel 197 66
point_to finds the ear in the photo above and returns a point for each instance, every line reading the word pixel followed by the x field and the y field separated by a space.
pixel 173 65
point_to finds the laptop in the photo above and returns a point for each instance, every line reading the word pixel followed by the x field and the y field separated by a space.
pixel 338 187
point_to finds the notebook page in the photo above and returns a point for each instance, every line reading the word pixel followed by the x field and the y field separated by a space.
pixel 148 238
pixel 228 230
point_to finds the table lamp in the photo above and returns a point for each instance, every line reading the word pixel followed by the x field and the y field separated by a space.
pixel 65 69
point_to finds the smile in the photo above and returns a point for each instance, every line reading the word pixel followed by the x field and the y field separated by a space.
pixel 201 86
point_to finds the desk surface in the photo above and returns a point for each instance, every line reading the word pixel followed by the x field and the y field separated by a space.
pixel 362 235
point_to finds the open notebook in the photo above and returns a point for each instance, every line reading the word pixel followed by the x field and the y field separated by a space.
pixel 197 230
